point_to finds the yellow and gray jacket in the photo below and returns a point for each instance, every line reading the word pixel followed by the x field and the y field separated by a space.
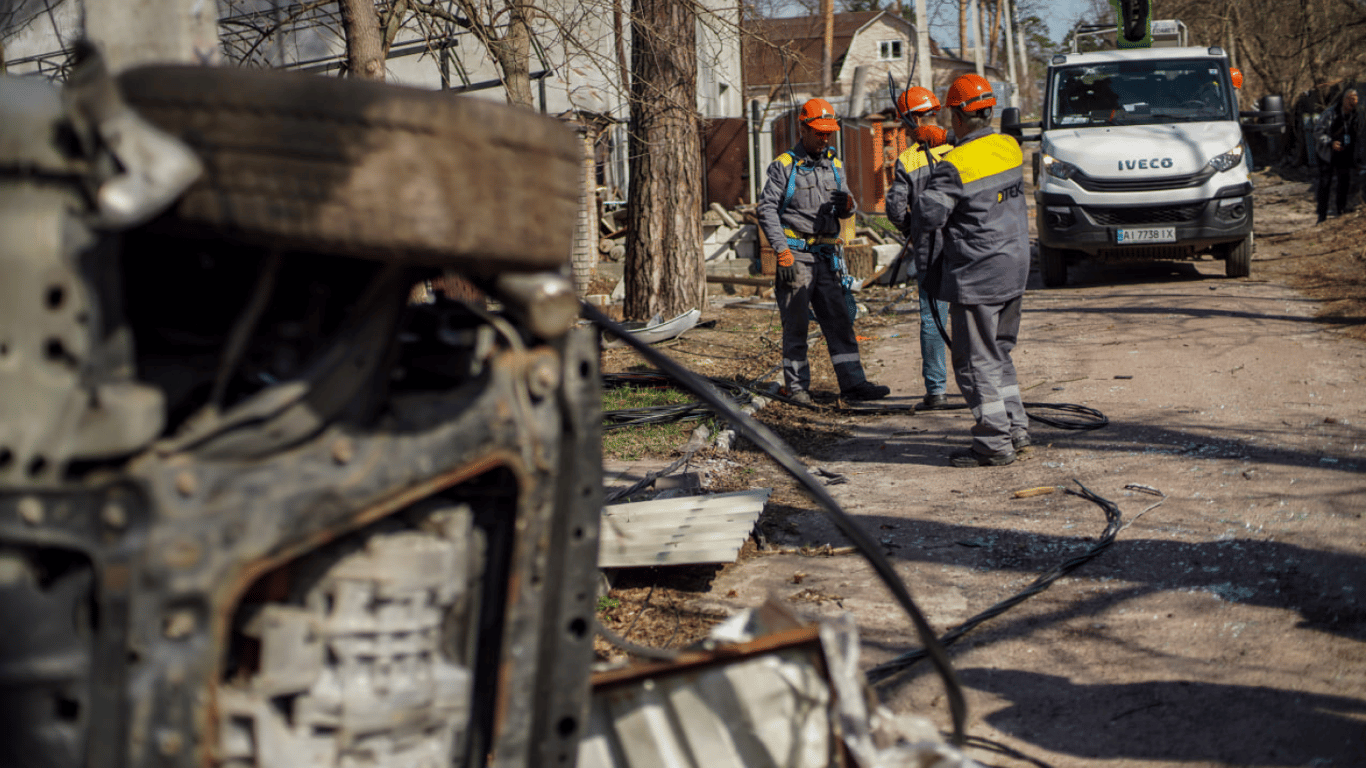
pixel 975 199
pixel 909 178
pixel 794 208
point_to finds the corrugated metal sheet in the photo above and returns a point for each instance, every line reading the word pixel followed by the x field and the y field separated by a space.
pixel 764 703
pixel 691 529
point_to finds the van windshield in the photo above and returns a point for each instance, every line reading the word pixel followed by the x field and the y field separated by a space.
pixel 1141 93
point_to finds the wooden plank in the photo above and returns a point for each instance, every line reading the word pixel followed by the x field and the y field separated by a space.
pixel 729 280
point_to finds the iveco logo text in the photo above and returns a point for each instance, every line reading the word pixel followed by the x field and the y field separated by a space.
pixel 1145 163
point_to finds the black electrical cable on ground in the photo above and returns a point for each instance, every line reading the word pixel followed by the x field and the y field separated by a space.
pixel 1084 417
pixel 771 444
pixel 887 669
pixel 663 414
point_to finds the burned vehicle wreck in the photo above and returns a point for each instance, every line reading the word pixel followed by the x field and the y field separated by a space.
pixel 259 509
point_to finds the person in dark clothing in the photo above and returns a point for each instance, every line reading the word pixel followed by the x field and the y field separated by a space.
pixel 804 198
pixel 1335 142
pixel 917 106
pixel 976 196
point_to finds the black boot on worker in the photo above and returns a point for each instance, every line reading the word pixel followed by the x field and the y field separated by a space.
pixel 866 390
pixel 971 458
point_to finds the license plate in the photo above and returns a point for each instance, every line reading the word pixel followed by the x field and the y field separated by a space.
pixel 1146 235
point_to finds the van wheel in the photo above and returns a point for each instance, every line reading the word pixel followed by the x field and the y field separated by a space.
pixel 1053 266
pixel 1238 258
pixel 356 168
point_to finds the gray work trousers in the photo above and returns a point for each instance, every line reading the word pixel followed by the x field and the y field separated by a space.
pixel 983 336
pixel 818 291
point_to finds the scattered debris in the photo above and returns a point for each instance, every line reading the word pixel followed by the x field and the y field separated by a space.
pixel 681 531
pixel 831 478
pixel 1042 490
pixel 764 689
pixel 658 329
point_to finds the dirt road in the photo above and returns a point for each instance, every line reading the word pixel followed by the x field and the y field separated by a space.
pixel 1226 626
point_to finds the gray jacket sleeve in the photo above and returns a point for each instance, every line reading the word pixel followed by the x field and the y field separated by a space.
pixel 775 187
pixel 932 209
pixel 1323 143
pixel 898 198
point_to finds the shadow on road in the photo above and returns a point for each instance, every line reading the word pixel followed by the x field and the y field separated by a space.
pixel 1155 720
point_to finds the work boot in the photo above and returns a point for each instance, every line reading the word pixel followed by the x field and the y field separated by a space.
pixel 934 400
pixel 866 390
pixel 971 458
pixel 1021 444
pixel 800 397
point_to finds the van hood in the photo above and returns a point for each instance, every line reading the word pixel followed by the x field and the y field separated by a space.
pixel 1134 151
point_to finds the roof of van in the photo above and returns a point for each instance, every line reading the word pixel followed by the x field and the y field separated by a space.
pixel 1138 54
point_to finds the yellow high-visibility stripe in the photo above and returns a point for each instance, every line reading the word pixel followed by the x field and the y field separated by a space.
pixel 985 157
pixel 785 158
pixel 914 157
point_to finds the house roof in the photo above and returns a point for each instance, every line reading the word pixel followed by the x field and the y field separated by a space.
pixel 779 50
pixel 788 50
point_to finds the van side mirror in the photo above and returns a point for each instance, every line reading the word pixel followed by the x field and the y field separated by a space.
pixel 1011 125
pixel 1269 117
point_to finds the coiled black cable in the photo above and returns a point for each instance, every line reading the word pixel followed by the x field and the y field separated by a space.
pixel 887 669
pixel 1086 418
pixel 663 414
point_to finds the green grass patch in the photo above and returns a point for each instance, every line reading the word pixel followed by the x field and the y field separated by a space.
pixel 631 443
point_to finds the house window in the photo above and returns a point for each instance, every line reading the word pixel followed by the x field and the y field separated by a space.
pixel 889 50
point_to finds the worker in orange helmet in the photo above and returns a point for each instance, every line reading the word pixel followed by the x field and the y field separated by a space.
pixel 974 202
pixel 917 107
pixel 804 198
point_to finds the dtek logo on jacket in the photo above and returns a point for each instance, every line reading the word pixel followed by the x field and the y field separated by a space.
pixel 1009 192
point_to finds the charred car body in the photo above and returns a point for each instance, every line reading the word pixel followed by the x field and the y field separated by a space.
pixel 257 508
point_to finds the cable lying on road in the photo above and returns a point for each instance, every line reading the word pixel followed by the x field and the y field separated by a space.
pixel 1080 417
pixel 886 670
pixel 663 414
pixel 771 444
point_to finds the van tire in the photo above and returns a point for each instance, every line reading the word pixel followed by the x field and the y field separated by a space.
pixel 1053 266
pixel 1238 258
pixel 365 169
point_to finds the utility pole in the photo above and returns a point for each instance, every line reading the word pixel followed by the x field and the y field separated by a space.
pixel 922 47
pixel 154 31
pixel 1025 82
pixel 977 40
pixel 828 46
pixel 1009 13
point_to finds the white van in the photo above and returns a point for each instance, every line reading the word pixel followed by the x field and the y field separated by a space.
pixel 1141 156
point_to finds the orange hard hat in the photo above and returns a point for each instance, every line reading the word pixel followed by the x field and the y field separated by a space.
pixel 1237 77
pixel 931 135
pixel 916 100
pixel 971 92
pixel 818 114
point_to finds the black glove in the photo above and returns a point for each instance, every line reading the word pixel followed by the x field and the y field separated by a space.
pixel 840 199
pixel 787 275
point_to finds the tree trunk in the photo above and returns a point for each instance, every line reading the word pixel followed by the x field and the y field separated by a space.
pixel 665 273
pixel 364 43
pixel 995 33
pixel 513 53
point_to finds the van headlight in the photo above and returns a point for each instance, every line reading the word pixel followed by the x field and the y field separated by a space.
pixel 1228 159
pixel 1056 168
